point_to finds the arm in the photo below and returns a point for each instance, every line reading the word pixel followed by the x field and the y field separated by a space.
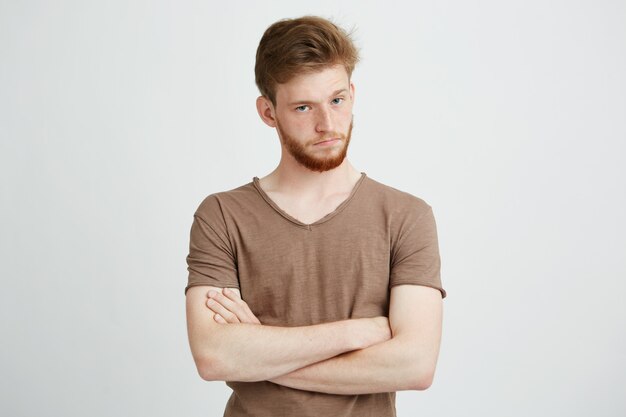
pixel 253 352
pixel 405 362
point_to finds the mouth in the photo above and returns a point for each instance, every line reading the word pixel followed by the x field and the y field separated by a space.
pixel 328 141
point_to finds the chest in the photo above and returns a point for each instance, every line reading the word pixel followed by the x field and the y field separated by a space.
pixel 294 276
pixel 308 212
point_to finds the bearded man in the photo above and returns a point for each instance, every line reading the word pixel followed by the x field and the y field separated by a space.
pixel 314 290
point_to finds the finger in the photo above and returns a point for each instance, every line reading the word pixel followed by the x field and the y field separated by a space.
pixel 233 302
pixel 244 313
pixel 231 293
pixel 237 301
pixel 230 305
pixel 219 319
pixel 222 311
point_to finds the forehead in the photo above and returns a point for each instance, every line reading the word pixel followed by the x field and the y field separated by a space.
pixel 314 86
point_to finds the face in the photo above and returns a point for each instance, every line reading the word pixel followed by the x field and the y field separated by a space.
pixel 313 117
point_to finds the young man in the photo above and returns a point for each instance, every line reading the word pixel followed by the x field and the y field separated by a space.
pixel 315 290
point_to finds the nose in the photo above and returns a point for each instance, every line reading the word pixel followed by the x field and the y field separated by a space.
pixel 324 122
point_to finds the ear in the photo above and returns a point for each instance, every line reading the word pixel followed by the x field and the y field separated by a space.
pixel 352 92
pixel 266 111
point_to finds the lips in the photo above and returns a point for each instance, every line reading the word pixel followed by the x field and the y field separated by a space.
pixel 327 141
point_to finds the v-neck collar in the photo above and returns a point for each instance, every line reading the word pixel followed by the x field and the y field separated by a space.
pixel 338 209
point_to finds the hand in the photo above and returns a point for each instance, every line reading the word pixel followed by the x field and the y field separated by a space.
pixel 384 330
pixel 371 331
pixel 230 308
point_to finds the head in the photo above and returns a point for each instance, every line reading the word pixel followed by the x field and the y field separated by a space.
pixel 303 72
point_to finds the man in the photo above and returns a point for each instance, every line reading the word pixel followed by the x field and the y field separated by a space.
pixel 315 290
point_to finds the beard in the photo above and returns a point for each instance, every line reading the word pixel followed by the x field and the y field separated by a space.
pixel 309 159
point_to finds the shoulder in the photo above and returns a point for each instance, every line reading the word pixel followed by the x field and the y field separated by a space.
pixel 396 201
pixel 224 202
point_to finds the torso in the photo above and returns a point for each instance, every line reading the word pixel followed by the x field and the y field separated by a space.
pixel 292 274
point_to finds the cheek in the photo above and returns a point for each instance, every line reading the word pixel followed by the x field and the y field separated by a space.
pixel 296 124
pixel 346 111
pixel 346 116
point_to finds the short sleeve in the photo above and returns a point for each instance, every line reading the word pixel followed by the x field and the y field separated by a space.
pixel 415 252
pixel 211 260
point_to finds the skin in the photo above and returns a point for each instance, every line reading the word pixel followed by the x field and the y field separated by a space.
pixel 324 117
pixel 251 352
pixel 406 361
pixel 311 179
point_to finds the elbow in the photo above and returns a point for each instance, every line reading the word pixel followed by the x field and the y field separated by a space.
pixel 217 369
pixel 423 382
pixel 422 379
pixel 211 369
pixel 417 372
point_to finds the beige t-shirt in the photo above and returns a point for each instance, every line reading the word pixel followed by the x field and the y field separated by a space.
pixel 294 274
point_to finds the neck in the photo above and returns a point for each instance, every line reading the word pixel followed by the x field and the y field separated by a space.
pixel 292 178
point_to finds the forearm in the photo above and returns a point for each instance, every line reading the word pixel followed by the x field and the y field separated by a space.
pixel 256 352
pixel 384 367
pixel 405 362
pixel 246 350
pixel 251 352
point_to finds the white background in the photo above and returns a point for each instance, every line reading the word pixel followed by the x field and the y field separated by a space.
pixel 118 117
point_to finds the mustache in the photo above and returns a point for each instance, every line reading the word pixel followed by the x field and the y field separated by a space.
pixel 329 136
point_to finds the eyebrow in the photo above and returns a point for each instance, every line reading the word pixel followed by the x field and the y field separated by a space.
pixel 301 102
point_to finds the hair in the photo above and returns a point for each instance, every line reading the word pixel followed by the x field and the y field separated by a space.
pixel 291 47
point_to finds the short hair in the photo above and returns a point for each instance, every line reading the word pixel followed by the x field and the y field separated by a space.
pixel 291 47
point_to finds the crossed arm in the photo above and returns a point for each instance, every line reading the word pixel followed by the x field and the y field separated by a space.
pixel 355 356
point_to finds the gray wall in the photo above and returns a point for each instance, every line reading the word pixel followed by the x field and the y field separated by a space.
pixel 117 118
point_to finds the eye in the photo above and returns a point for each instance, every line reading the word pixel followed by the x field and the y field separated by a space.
pixel 337 100
pixel 302 108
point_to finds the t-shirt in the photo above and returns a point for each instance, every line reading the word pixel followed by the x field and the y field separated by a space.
pixel 290 273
